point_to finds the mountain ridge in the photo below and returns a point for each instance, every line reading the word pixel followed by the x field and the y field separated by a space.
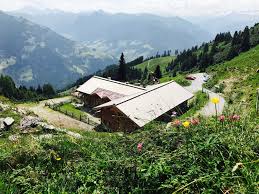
pixel 32 54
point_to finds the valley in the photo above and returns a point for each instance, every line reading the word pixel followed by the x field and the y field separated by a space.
pixel 100 102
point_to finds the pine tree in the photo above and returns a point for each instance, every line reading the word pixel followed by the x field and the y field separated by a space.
pixel 145 74
pixel 122 71
pixel 39 90
pixel 245 44
pixel 158 72
pixel 232 53
pixel 48 90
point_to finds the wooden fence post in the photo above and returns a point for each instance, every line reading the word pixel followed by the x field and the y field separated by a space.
pixel 257 101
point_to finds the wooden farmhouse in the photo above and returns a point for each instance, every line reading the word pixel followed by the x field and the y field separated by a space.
pixel 98 90
pixel 125 107
pixel 132 112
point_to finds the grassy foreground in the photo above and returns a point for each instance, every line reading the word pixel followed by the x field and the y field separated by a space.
pixel 207 157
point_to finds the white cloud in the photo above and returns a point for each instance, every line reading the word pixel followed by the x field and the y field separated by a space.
pixel 161 7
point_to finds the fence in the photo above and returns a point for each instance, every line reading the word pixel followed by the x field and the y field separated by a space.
pixel 80 117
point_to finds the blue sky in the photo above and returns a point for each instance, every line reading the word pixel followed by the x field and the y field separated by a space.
pixel 159 7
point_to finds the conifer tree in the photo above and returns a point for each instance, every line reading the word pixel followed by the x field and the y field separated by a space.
pixel 122 71
pixel 158 72
pixel 245 44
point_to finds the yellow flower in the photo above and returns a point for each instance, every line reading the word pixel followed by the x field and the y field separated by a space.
pixel 215 100
pixel 58 158
pixel 186 124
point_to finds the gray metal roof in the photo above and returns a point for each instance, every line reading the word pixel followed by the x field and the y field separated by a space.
pixel 146 106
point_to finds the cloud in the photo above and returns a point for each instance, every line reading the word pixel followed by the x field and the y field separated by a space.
pixel 161 7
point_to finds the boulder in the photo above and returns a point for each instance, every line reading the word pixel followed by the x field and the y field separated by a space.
pixel 8 121
pixel 29 122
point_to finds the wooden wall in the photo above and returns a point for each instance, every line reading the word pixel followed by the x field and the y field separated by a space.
pixel 115 120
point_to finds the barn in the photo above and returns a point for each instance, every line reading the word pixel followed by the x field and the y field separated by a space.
pixel 134 111
pixel 98 90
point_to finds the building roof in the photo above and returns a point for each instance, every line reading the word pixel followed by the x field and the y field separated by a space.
pixel 102 93
pixel 148 105
pixel 107 84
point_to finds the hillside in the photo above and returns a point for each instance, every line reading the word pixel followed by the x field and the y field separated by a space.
pixel 209 156
pixel 32 54
pixel 152 64
pixel 135 34
pixel 238 78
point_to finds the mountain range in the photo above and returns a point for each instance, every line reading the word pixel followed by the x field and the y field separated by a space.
pixel 228 22
pixel 135 34
pixel 33 54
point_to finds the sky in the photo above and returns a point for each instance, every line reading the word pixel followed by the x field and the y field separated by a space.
pixel 158 7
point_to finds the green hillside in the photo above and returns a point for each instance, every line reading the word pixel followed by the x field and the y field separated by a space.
pixel 152 63
pixel 238 78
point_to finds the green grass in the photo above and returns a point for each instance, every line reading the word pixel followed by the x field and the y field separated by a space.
pixel 152 64
pixel 198 159
pixel 238 78
pixel 180 79
pixel 70 109
pixel 197 103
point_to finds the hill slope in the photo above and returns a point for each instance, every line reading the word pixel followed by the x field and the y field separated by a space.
pixel 34 55
pixel 238 78
pixel 152 64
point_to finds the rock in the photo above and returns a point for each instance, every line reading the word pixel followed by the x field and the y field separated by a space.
pixel 29 121
pixel 3 107
pixel 75 135
pixel 2 125
pixel 14 138
pixel 8 121
pixel 45 136
pixel 47 127
pixel 61 130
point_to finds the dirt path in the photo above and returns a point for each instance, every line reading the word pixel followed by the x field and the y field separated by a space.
pixel 53 117
pixel 209 109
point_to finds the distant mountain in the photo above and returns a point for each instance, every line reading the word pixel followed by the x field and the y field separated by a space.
pixel 34 55
pixel 142 33
pixel 227 22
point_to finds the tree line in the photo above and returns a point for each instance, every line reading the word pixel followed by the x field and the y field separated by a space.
pixel 9 89
pixel 223 48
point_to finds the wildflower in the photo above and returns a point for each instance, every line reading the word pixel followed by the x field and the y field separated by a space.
pixel 237 166
pixel 186 124
pixel 177 123
pixel 58 158
pixel 234 118
pixel 139 147
pixel 215 100
pixel 195 121
pixel 222 118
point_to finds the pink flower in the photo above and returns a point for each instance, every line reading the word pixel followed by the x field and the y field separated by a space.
pixel 236 118
pixel 139 147
pixel 222 118
pixel 195 121
pixel 177 123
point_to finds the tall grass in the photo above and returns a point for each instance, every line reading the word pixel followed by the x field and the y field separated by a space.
pixel 112 163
